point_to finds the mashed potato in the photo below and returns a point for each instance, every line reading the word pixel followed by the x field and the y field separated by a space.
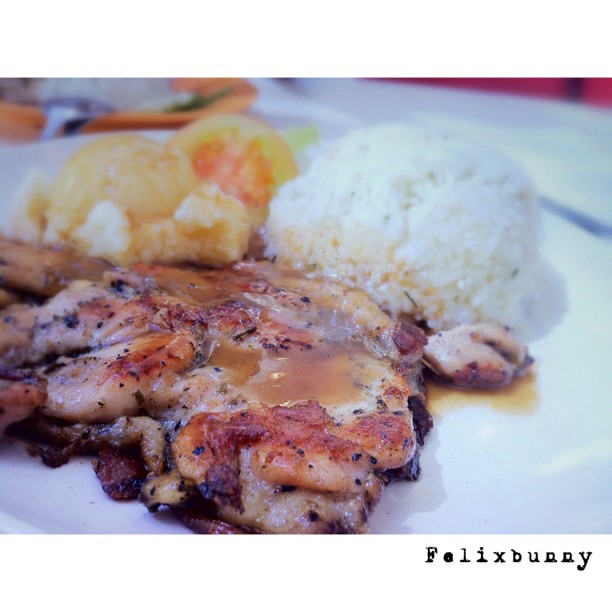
pixel 429 224
pixel 129 198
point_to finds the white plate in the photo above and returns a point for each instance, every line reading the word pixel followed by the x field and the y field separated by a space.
pixel 535 461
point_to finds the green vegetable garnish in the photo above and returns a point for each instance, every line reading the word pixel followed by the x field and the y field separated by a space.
pixel 197 101
pixel 411 299
pixel 299 138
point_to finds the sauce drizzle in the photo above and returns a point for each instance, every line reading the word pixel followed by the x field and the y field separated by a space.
pixel 520 397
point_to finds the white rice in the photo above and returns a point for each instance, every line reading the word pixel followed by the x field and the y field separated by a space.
pixel 428 223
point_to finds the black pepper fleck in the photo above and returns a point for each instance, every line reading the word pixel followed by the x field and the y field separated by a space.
pixel 117 285
pixel 71 321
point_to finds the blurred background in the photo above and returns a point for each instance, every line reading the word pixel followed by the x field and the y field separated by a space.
pixel 39 108
pixel 594 91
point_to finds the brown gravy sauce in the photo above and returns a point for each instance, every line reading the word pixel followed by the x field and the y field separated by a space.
pixel 201 287
pixel 239 363
pixel 520 397
pixel 330 374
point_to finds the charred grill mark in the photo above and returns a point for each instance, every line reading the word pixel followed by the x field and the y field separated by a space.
pixel 410 471
pixel 120 472
pixel 423 421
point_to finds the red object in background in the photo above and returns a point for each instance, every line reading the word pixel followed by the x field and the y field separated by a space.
pixel 597 91
pixel 590 91
pixel 543 88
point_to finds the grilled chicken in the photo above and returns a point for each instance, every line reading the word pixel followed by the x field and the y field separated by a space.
pixel 260 399
pixel 285 403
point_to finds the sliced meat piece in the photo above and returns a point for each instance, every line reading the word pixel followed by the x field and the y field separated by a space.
pixel 44 271
pixel 483 356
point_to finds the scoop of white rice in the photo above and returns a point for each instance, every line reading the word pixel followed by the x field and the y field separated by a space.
pixel 428 223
